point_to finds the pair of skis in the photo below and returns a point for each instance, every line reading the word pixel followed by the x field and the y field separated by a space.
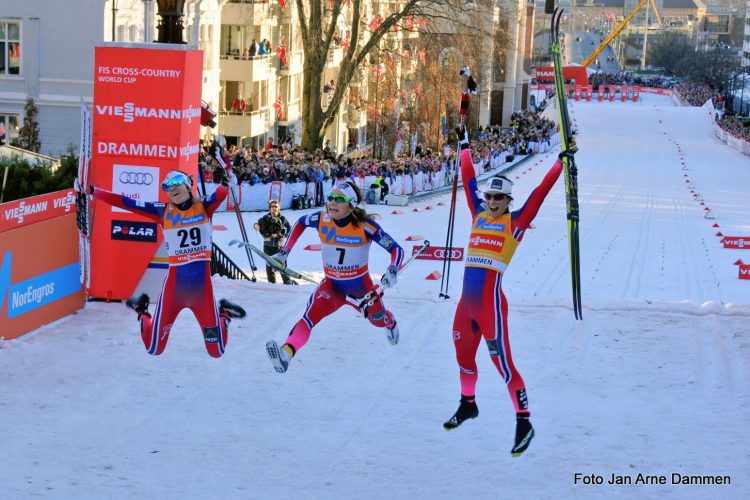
pixel 81 187
pixel 218 154
pixel 571 172
pixel 275 263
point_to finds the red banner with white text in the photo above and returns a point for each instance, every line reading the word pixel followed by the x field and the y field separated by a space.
pixel 146 123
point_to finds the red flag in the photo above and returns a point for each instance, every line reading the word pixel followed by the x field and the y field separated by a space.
pixel 282 4
pixel 279 107
pixel 345 42
pixel 14 50
pixel 375 23
pixel 281 52
pixel 422 54
pixel 409 23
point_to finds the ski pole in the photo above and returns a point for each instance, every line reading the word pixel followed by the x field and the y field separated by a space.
pixel 243 232
pixel 373 295
pixel 449 235
pixel 463 111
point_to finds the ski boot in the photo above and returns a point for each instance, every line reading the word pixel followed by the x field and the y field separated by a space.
pixel 279 356
pixel 466 410
pixel 138 304
pixel 392 334
pixel 524 434
pixel 230 309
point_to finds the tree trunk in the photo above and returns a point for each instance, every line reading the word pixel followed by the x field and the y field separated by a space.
pixel 312 112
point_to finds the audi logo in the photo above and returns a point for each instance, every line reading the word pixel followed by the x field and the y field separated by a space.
pixel 440 253
pixel 141 178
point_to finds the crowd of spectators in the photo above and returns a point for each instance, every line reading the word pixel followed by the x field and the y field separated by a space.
pixel 695 94
pixel 735 125
pixel 629 78
pixel 289 163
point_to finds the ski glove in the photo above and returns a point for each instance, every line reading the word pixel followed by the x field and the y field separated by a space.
pixel 463 137
pixel 281 255
pixel 565 154
pixel 389 278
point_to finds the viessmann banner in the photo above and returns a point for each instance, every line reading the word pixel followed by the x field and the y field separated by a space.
pixel 146 122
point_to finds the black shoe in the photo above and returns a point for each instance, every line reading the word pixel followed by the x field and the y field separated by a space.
pixel 230 309
pixel 138 304
pixel 524 435
pixel 466 410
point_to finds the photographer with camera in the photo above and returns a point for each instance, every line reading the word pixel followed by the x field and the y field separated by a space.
pixel 274 228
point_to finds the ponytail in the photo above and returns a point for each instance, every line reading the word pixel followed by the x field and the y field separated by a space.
pixel 359 214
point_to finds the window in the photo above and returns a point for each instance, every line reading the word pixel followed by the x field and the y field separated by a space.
pixel 8 128
pixel 10 48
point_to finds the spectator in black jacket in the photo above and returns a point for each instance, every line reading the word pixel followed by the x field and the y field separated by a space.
pixel 274 228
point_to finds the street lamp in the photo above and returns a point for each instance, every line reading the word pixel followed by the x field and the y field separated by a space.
pixel 169 28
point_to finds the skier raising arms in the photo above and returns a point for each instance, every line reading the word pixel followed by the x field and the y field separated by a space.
pixel 186 222
pixel 482 309
pixel 345 232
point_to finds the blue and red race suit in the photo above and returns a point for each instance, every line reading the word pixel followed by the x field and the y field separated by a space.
pixel 345 249
pixel 482 309
pixel 188 282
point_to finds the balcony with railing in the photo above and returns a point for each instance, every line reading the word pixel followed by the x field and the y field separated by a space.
pixel 235 124
pixel 247 69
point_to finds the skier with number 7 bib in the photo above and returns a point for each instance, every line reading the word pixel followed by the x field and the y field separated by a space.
pixel 345 232
pixel 482 310
pixel 186 221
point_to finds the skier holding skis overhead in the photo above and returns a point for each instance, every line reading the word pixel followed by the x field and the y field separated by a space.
pixel 482 309
pixel 345 232
pixel 187 230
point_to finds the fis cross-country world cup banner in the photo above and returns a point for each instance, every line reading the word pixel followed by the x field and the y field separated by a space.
pixel 146 113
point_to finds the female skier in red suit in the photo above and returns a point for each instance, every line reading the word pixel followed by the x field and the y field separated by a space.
pixel 186 222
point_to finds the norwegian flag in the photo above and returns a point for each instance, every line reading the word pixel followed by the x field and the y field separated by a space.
pixel 282 4
pixel 14 50
pixel 422 22
pixel 375 23
pixel 422 54
pixel 279 107
pixel 345 42
pixel 281 52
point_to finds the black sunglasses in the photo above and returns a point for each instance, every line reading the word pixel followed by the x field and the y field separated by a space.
pixel 495 196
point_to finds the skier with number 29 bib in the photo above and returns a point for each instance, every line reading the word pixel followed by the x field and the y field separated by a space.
pixel 186 222
pixel 345 232
pixel 482 310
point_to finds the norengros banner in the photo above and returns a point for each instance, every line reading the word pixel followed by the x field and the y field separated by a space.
pixel 146 122
pixel 39 265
